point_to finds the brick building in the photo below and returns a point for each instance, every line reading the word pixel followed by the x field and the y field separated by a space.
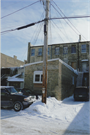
pixel 61 78
pixel 75 54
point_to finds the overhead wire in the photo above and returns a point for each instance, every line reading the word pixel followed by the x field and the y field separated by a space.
pixel 65 20
pixel 40 27
pixel 19 9
pixel 22 27
pixel 57 28
pixel 34 34
pixel 68 19
pixel 32 39
pixel 63 28
pixel 31 24
pixel 50 25
pixel 36 30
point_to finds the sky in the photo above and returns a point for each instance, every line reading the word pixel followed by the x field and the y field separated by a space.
pixel 59 31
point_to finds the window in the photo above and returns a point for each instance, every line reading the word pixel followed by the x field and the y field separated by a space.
pixel 3 92
pixel 65 50
pixel 48 51
pixel 41 77
pixel 32 52
pixel 40 51
pixel 57 51
pixel 38 76
pixel 73 80
pixel 83 48
pixel 73 49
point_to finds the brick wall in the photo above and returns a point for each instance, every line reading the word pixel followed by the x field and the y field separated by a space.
pixel 74 60
pixel 59 79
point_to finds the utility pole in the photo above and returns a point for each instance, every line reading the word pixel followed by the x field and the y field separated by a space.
pixel 45 53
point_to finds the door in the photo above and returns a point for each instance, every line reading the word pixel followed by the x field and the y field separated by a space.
pixel 73 65
pixel 5 99
pixel 84 66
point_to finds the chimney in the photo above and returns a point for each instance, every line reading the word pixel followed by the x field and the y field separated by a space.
pixel 15 57
pixel 79 38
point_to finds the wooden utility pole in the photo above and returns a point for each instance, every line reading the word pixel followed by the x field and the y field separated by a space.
pixel 45 53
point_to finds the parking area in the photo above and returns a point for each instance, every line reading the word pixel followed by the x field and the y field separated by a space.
pixel 65 117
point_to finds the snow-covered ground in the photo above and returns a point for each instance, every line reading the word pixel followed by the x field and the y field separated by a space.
pixel 65 117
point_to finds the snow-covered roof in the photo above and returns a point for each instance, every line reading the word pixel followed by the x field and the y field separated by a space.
pixel 84 60
pixel 15 79
pixel 72 69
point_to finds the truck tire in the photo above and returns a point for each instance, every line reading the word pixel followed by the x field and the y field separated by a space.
pixel 18 106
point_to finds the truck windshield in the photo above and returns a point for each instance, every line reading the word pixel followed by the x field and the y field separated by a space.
pixel 12 90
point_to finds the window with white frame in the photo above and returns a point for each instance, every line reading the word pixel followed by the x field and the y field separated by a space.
pixel 37 77
pixel 57 49
pixel 39 51
pixel 32 52
pixel 83 48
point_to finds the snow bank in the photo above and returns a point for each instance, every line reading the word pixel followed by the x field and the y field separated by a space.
pixel 53 117
pixel 65 111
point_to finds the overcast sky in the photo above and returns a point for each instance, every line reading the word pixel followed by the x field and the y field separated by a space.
pixel 60 31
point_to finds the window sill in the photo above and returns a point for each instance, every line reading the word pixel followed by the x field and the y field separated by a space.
pixel 83 52
pixel 37 82
pixel 39 55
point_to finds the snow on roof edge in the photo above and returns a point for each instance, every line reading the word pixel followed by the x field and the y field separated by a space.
pixel 39 62
pixel 68 66
pixel 15 80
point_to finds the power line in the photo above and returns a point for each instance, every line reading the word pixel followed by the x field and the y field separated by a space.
pixel 31 24
pixel 22 27
pixel 67 18
pixel 40 27
pixel 34 35
pixel 63 27
pixel 59 29
pixel 64 18
pixel 20 9
pixel 71 17
pixel 32 39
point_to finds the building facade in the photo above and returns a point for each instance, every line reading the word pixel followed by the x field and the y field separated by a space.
pixel 61 78
pixel 74 54
pixel 7 61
